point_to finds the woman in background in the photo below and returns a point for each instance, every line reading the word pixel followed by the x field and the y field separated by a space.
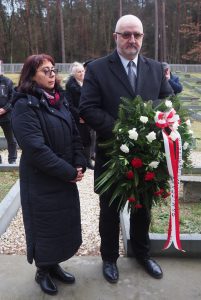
pixel 73 92
pixel 52 161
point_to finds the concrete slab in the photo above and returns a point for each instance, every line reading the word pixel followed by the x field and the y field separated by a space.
pixel 181 280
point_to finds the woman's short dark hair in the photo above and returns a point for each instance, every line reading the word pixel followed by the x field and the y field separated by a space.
pixel 31 64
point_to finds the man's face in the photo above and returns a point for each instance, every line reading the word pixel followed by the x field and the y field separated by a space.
pixel 129 37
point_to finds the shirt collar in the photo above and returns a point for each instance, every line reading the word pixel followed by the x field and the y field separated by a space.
pixel 126 61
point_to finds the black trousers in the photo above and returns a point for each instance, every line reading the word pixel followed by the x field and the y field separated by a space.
pixel 109 225
pixel 12 145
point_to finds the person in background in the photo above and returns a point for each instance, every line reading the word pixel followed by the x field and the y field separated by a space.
pixel 73 92
pixel 51 164
pixel 124 73
pixel 6 90
pixel 92 132
pixel 172 79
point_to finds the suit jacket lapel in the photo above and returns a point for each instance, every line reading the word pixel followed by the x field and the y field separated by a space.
pixel 118 70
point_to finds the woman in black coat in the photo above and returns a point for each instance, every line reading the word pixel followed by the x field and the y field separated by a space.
pixel 73 92
pixel 52 161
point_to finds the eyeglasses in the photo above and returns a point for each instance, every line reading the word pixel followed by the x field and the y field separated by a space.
pixel 48 72
pixel 127 35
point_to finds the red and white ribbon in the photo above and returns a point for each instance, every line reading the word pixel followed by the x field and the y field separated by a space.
pixel 173 151
pixel 166 119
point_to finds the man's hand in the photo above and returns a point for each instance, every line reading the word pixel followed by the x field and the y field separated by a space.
pixel 2 111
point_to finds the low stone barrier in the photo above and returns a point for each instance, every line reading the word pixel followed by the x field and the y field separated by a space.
pixel 191 243
pixel 191 188
pixel 9 206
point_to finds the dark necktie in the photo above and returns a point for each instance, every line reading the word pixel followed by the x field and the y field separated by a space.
pixel 131 74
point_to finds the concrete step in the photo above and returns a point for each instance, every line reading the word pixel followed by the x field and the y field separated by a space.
pixel 181 280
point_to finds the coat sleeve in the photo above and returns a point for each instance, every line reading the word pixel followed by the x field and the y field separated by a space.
pixel 8 105
pixel 91 109
pixel 29 135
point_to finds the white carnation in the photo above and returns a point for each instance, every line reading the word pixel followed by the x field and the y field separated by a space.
pixel 144 119
pixel 151 136
pixel 185 145
pixel 188 123
pixel 168 103
pixel 133 135
pixel 154 164
pixel 124 148
pixel 175 125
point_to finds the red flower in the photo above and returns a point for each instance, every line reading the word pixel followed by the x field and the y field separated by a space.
pixel 166 194
pixel 136 163
pixel 131 199
pixel 129 175
pixel 149 176
pixel 159 192
pixel 138 205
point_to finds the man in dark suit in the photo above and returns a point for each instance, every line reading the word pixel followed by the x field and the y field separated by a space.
pixel 106 80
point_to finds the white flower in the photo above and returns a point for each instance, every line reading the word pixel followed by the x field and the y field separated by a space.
pixel 175 125
pixel 173 136
pixel 151 136
pixel 144 119
pixel 133 135
pixel 185 145
pixel 154 164
pixel 190 132
pixel 145 104
pixel 188 123
pixel 120 130
pixel 168 103
pixel 124 148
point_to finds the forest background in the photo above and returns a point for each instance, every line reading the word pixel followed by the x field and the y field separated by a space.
pixel 72 30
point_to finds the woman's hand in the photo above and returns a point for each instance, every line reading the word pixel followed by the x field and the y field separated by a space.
pixel 79 176
pixel 82 121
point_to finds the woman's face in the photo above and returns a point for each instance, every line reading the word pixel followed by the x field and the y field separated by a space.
pixel 79 74
pixel 45 75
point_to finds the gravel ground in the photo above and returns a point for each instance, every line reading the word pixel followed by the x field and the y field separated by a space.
pixel 13 240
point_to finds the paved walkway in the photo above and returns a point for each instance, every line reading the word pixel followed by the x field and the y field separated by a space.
pixel 181 280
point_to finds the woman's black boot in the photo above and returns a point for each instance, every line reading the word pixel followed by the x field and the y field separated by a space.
pixel 57 272
pixel 45 281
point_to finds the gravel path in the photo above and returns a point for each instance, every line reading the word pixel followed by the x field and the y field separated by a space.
pixel 13 240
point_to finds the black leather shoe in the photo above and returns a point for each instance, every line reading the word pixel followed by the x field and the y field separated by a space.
pixel 151 267
pixel 58 273
pixel 110 271
pixel 45 281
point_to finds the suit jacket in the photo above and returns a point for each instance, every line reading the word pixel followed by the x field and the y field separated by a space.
pixel 106 81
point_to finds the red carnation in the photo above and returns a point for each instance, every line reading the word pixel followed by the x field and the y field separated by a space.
pixel 129 175
pixel 149 176
pixel 138 205
pixel 131 199
pixel 166 194
pixel 159 192
pixel 136 163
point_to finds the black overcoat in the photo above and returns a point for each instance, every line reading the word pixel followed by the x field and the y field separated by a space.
pixel 51 151
pixel 105 82
pixel 73 92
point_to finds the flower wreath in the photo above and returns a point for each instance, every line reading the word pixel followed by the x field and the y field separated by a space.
pixel 137 169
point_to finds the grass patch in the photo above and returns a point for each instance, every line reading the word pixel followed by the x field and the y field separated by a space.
pixel 7 180
pixel 190 218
